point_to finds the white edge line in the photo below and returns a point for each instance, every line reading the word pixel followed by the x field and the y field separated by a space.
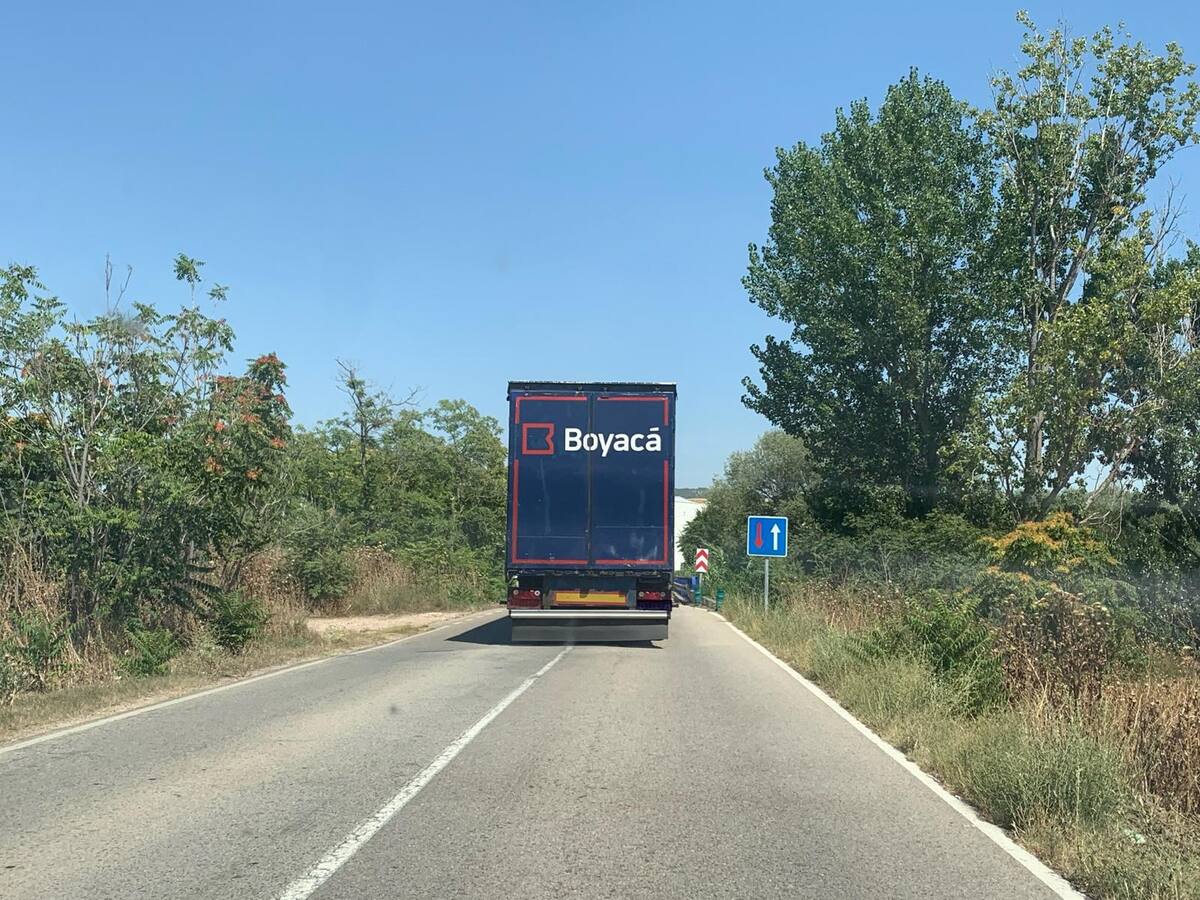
pixel 305 885
pixel 241 682
pixel 1047 876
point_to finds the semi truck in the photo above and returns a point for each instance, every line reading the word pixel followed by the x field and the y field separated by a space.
pixel 590 538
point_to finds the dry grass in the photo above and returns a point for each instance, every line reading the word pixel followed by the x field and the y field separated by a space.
pixel 1157 724
pixel 265 577
pixel 382 585
pixel 1150 856
pixel 1065 650
pixel 851 608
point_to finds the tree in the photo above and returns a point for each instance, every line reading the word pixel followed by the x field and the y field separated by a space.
pixel 878 258
pixel 369 414
pixel 239 440
pixel 772 478
pixel 1081 131
pixel 1167 460
pixel 134 468
pixel 478 481
pixel 435 479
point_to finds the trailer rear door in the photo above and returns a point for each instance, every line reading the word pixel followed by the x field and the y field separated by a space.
pixel 631 489
pixel 548 488
pixel 590 480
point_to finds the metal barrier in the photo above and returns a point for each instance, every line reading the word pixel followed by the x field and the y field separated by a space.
pixel 687 590
pixel 681 590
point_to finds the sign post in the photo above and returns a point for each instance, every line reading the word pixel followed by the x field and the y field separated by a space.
pixel 766 584
pixel 701 567
pixel 767 536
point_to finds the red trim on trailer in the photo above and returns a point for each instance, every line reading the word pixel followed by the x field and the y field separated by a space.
pixel 517 403
pixel 662 398
pixel 516 464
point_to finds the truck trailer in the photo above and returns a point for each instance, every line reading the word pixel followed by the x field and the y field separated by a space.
pixel 590 537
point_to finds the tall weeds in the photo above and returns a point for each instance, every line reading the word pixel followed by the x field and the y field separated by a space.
pixel 1157 725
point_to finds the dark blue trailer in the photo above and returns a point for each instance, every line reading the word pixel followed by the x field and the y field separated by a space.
pixel 590 537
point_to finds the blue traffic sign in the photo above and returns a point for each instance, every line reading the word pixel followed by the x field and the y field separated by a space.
pixel 766 536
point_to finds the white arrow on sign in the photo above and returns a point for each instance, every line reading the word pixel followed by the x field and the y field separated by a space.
pixel 775 536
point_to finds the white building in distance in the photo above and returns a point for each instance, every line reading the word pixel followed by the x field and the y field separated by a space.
pixel 685 511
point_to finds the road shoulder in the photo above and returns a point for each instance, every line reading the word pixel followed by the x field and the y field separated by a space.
pixel 1047 876
pixel 38 717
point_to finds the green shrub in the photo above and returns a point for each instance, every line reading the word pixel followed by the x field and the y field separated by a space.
pixel 33 653
pixel 323 574
pixel 235 619
pixel 9 682
pixel 949 635
pixel 475 588
pixel 942 550
pixel 1056 551
pixel 316 556
pixel 459 575
pixel 150 651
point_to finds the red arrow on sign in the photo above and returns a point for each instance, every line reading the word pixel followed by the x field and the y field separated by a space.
pixel 701 564
pixel 758 539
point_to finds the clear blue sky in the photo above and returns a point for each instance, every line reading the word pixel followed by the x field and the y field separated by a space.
pixel 452 195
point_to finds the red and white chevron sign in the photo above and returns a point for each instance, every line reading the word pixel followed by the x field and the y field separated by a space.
pixel 701 563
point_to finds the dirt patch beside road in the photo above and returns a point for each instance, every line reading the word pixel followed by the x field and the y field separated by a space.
pixel 389 623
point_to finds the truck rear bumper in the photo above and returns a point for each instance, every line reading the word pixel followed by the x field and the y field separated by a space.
pixel 582 625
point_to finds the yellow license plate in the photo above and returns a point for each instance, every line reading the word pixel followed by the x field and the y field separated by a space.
pixel 589 598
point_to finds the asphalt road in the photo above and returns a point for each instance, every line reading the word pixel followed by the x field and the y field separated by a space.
pixel 441 767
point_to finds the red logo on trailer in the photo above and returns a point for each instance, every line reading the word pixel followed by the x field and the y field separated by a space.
pixel 547 431
pixel 701 564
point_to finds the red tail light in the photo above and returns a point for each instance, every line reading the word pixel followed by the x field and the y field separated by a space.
pixel 524 599
pixel 653 600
